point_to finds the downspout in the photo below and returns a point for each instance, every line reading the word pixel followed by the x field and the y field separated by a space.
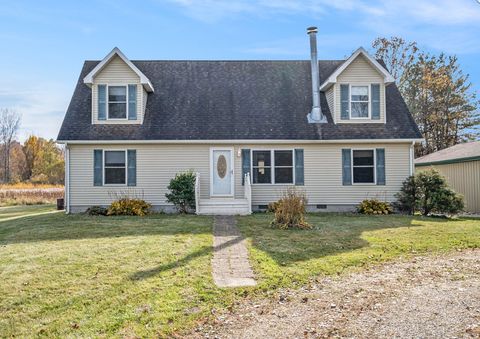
pixel 67 179
pixel 412 170
pixel 316 115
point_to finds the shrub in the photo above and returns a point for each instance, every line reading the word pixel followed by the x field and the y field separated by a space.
pixel 290 211
pixel 374 206
pixel 182 191
pixel 272 206
pixel 408 197
pixel 128 206
pixel 96 210
pixel 428 192
pixel 448 202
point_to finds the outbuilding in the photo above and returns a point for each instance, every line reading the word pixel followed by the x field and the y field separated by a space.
pixel 460 164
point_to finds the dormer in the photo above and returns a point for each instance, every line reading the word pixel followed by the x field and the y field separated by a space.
pixel 355 91
pixel 119 90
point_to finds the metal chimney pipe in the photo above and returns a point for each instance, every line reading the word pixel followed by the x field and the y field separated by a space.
pixel 315 116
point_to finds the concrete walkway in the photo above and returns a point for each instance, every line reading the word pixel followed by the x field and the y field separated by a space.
pixel 230 265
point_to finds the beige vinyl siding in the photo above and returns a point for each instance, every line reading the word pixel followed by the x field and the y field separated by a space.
pixel 323 175
pixel 330 99
pixel 157 164
pixel 360 72
pixel 464 178
pixel 117 72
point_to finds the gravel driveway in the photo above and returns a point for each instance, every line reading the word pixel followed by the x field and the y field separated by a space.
pixel 424 297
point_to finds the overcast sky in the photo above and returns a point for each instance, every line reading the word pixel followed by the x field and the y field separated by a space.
pixel 44 43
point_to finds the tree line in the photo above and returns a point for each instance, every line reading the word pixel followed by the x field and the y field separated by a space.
pixel 37 160
pixel 437 92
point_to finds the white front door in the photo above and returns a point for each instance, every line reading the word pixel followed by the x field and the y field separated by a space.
pixel 221 169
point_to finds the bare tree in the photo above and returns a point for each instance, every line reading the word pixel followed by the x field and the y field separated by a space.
pixel 9 125
pixel 397 54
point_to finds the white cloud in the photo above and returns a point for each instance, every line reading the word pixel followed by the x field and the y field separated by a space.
pixel 442 12
pixel 41 106
pixel 447 25
pixel 213 10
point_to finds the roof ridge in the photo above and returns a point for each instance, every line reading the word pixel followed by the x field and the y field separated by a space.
pixel 222 60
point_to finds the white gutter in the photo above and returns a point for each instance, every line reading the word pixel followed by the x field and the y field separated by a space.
pixel 241 141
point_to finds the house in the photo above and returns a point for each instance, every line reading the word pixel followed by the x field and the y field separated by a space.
pixel 460 165
pixel 337 129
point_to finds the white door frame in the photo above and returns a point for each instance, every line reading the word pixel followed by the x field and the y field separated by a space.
pixel 232 189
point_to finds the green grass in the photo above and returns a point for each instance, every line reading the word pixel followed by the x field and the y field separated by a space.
pixel 342 242
pixel 103 276
pixel 82 276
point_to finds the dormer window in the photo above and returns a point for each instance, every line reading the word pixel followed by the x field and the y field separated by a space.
pixel 359 102
pixel 117 102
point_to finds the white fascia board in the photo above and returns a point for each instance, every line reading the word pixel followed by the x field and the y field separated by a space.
pixel 242 141
pixel 116 51
pixel 332 79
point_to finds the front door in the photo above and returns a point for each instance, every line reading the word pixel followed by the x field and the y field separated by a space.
pixel 221 169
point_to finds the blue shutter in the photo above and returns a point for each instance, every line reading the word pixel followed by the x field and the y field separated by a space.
pixel 132 167
pixel 102 102
pixel 380 166
pixel 97 167
pixel 346 167
pixel 344 102
pixel 375 101
pixel 299 169
pixel 246 161
pixel 132 102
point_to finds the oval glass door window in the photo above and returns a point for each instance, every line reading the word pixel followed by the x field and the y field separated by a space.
pixel 222 166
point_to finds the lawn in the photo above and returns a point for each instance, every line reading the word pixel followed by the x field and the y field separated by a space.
pixel 87 276
pixel 103 276
pixel 341 242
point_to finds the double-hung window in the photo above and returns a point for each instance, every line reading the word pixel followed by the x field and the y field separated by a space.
pixel 273 166
pixel 262 167
pixel 117 102
pixel 359 102
pixel 283 165
pixel 115 167
pixel 363 166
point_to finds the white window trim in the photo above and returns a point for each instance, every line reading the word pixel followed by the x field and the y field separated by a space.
pixel 272 166
pixel 369 117
pixel 104 167
pixel 126 102
pixel 374 167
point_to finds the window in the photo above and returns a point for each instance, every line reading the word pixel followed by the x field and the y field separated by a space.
pixel 115 167
pixel 363 166
pixel 359 102
pixel 283 167
pixel 280 171
pixel 117 102
pixel 262 167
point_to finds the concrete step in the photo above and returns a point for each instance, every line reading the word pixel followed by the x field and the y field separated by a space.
pixel 219 206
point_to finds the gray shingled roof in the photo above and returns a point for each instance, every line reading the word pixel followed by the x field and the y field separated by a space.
pixel 215 100
pixel 470 150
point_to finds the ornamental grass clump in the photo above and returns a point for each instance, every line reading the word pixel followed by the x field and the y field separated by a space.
pixel 129 206
pixel 290 211
pixel 374 206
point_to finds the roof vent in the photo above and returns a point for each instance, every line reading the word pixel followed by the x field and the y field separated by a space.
pixel 316 115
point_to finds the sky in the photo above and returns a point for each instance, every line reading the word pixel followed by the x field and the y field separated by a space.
pixel 44 43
